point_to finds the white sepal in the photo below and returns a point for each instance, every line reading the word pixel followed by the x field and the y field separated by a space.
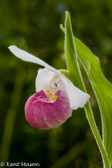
pixel 29 57
pixel 77 97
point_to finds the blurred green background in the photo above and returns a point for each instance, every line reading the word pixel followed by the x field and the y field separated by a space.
pixel 33 25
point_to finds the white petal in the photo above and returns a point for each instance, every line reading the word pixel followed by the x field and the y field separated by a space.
pixel 29 57
pixel 77 98
pixel 44 76
pixel 46 80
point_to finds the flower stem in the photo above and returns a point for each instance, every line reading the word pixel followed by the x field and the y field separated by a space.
pixel 96 134
pixel 91 120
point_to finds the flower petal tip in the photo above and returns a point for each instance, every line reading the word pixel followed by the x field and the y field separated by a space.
pixel 12 48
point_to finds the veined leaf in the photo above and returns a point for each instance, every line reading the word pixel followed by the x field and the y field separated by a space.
pixel 102 87
pixel 71 56
pixel 73 72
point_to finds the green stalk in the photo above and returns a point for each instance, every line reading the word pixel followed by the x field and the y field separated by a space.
pixel 91 120
pixel 92 123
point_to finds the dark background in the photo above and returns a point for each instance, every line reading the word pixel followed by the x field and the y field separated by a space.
pixel 33 25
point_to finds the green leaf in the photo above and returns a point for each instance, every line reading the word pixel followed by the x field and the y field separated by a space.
pixel 102 88
pixel 74 73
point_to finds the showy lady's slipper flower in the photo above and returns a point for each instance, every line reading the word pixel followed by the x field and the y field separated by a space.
pixel 56 96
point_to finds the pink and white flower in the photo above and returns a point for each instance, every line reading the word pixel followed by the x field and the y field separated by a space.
pixel 56 95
